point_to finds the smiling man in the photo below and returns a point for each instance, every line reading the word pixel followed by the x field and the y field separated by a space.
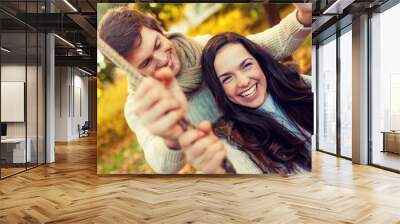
pixel 154 52
pixel 172 64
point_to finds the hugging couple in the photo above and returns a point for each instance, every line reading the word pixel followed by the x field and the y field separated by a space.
pixel 247 106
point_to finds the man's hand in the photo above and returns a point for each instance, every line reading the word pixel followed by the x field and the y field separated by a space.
pixel 203 150
pixel 160 104
pixel 304 13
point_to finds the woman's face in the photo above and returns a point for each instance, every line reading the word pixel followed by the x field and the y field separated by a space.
pixel 241 76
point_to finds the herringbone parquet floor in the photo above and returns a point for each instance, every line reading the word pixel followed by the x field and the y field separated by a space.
pixel 69 191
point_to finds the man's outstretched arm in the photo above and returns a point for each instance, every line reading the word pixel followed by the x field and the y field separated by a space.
pixel 284 38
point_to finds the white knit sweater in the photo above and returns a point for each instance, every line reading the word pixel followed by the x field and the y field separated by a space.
pixel 280 40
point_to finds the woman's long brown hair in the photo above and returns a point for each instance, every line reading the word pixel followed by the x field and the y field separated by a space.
pixel 278 149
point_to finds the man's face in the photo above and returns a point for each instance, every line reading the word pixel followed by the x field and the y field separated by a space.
pixel 154 52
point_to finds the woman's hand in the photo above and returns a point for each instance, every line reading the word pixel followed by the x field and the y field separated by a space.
pixel 160 104
pixel 203 150
pixel 304 13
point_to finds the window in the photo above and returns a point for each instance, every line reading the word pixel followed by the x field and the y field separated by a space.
pixel 327 96
pixel 22 74
pixel 346 93
pixel 385 88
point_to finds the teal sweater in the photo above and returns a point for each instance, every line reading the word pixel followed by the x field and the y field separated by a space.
pixel 280 116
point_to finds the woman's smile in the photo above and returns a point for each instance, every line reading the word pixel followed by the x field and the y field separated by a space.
pixel 249 92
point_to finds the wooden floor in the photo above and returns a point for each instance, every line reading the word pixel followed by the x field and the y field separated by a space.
pixel 69 191
pixel 10 171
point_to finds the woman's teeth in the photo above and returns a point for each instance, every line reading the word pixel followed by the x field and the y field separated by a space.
pixel 249 92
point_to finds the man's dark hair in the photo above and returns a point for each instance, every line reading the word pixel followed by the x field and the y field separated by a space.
pixel 120 28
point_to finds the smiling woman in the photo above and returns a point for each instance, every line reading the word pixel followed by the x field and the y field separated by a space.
pixel 272 125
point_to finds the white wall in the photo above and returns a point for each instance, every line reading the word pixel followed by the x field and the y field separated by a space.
pixel 61 103
pixel 14 73
pixel 33 126
pixel 71 94
pixel 12 100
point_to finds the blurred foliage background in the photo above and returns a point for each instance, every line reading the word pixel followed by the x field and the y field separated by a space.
pixel 118 150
